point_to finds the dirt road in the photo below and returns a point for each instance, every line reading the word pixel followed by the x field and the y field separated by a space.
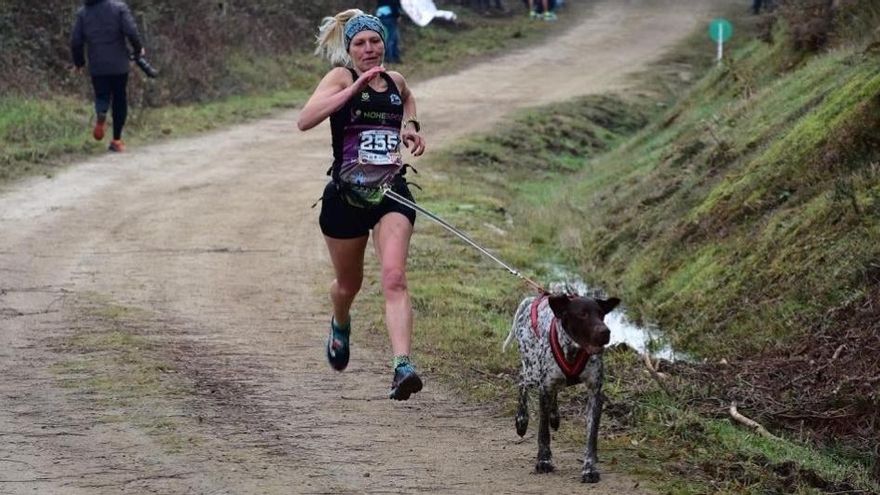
pixel 162 314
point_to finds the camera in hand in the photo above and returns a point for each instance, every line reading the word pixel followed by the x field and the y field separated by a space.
pixel 145 66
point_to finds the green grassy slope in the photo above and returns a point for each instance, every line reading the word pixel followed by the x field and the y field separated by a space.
pixel 746 208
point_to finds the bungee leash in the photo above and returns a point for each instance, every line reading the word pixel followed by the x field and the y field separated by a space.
pixel 388 193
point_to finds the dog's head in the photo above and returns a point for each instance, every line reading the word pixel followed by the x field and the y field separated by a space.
pixel 582 318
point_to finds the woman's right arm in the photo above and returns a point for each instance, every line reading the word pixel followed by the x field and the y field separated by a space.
pixel 330 95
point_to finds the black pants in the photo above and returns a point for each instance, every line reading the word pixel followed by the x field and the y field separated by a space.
pixel 112 90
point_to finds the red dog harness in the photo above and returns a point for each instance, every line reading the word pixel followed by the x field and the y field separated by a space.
pixel 571 369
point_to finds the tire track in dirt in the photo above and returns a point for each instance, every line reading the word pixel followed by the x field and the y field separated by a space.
pixel 192 272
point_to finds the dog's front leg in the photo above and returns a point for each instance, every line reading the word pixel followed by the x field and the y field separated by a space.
pixel 522 412
pixel 590 473
pixel 545 463
pixel 554 410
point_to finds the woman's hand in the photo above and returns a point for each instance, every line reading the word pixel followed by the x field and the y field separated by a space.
pixel 366 77
pixel 413 142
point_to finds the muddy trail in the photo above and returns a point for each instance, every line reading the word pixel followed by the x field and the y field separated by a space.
pixel 163 312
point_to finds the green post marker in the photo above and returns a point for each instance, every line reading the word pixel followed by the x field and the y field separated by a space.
pixel 720 30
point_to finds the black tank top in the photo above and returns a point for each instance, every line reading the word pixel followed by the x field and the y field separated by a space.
pixel 366 136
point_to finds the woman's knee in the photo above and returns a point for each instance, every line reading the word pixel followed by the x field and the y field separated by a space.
pixel 394 280
pixel 348 287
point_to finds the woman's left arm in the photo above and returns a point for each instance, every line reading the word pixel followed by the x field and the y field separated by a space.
pixel 409 132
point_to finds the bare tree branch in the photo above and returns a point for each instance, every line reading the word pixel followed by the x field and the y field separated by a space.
pixel 750 422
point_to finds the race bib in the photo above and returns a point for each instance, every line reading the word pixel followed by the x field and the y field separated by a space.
pixel 379 147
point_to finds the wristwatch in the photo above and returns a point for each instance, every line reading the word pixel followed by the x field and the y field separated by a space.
pixel 414 122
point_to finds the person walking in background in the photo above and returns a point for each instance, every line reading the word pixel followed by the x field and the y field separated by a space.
pixel 101 30
pixel 372 115
pixel 388 11
pixel 546 11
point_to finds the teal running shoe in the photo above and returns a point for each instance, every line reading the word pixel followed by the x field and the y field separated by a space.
pixel 406 382
pixel 337 346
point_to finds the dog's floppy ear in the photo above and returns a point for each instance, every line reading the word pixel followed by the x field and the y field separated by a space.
pixel 608 305
pixel 559 304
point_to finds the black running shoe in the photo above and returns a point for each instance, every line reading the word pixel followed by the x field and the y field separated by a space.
pixel 337 347
pixel 406 382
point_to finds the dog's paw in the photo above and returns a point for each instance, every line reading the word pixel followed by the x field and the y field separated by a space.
pixel 591 476
pixel 522 424
pixel 544 466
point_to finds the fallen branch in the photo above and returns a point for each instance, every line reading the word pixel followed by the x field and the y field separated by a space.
pixel 654 374
pixel 750 422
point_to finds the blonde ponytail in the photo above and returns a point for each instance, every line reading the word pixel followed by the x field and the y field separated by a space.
pixel 331 37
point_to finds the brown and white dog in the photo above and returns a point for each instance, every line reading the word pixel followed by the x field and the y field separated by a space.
pixel 561 338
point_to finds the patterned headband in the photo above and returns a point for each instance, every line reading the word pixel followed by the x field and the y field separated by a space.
pixel 363 22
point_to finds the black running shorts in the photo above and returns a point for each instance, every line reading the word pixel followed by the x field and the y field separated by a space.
pixel 341 220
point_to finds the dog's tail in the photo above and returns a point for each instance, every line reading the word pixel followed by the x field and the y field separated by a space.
pixel 523 306
pixel 509 338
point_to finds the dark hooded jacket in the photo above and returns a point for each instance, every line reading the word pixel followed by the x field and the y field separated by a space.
pixel 102 28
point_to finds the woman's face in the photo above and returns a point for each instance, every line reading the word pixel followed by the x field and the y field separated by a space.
pixel 366 50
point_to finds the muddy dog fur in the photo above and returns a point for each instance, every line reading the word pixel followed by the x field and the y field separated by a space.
pixel 580 325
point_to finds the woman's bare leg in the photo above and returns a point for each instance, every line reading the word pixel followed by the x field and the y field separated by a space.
pixel 347 256
pixel 391 240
